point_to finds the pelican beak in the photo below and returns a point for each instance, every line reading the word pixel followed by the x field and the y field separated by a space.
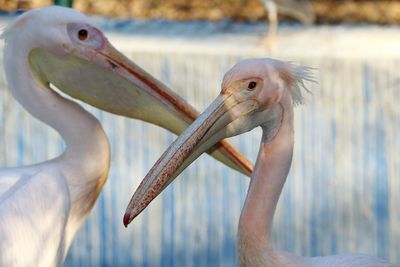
pixel 225 117
pixel 108 80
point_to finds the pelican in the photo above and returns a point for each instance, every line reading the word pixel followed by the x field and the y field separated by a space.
pixel 255 92
pixel 42 206
pixel 301 10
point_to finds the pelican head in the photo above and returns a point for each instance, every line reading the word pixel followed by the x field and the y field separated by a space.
pixel 253 94
pixel 66 50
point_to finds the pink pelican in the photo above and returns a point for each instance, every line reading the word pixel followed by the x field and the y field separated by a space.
pixel 42 206
pixel 255 92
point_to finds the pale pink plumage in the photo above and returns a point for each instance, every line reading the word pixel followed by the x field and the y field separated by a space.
pixel 272 167
pixel 255 92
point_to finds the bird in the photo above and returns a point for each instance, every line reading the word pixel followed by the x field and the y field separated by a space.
pixel 42 206
pixel 301 10
pixel 255 92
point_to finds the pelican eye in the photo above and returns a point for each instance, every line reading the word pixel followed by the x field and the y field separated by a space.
pixel 83 34
pixel 251 85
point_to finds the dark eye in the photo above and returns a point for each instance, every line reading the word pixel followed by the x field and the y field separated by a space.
pixel 83 34
pixel 252 85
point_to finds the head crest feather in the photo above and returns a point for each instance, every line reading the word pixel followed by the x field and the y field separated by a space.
pixel 295 76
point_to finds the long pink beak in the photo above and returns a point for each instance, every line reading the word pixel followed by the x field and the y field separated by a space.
pixel 225 117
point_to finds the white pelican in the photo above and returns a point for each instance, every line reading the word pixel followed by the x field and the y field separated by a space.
pixel 42 206
pixel 255 92
pixel 301 10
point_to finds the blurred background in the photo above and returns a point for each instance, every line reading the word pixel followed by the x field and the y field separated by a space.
pixel 327 11
pixel 343 191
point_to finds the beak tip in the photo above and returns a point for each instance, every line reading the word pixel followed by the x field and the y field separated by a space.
pixel 127 219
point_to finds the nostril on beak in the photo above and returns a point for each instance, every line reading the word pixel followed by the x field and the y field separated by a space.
pixel 112 64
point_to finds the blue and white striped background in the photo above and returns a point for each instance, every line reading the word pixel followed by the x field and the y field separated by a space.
pixel 342 195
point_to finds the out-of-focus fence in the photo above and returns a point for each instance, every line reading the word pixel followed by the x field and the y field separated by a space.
pixel 343 192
